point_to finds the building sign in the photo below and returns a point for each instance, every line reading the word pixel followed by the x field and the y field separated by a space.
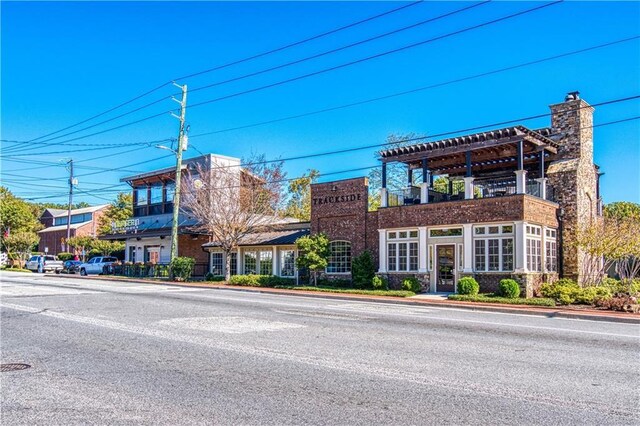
pixel 123 226
pixel 335 199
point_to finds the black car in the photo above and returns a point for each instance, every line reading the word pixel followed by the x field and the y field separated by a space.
pixel 71 266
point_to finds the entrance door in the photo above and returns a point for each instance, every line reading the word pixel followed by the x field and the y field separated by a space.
pixel 445 268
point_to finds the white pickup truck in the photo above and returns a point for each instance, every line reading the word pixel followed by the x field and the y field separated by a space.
pixel 44 263
pixel 96 265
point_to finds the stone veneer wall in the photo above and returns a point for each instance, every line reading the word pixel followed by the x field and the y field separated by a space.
pixel 574 178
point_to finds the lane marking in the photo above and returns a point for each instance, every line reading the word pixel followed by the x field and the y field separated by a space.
pixel 384 373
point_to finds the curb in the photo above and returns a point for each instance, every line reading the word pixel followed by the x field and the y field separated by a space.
pixel 549 312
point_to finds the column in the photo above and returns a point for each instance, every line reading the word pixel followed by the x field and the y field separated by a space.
pixel 521 173
pixel 383 188
pixel 543 249
pixel 467 239
pixel 422 249
pixel 240 263
pixel 520 247
pixel 468 188
pixel 382 250
pixel 274 261
pixel 542 180
pixel 424 186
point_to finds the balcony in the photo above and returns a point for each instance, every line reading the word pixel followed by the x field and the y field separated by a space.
pixel 482 188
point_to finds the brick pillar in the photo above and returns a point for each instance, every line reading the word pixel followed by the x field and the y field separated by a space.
pixel 573 176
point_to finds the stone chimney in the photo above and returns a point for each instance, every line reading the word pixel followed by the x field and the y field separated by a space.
pixel 574 177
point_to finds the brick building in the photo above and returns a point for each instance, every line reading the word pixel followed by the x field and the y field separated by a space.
pixel 498 204
pixel 84 222
pixel 147 236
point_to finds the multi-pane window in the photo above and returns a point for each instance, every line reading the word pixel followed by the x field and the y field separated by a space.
pixel 451 232
pixel 287 263
pixel 250 262
pixel 480 255
pixel 392 258
pixel 402 252
pixel 217 263
pixel 494 254
pixel 493 248
pixel 534 248
pixel 233 263
pixel 551 251
pixel 266 262
pixel 340 257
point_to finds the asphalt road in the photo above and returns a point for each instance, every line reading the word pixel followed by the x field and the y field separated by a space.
pixel 122 353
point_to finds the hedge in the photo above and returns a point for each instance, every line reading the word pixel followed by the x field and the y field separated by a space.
pixel 393 293
pixel 260 280
pixel 490 298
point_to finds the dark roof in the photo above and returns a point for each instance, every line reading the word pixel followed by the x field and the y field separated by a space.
pixel 475 138
pixel 271 238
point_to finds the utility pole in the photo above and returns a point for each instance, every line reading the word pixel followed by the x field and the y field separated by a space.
pixel 66 244
pixel 181 146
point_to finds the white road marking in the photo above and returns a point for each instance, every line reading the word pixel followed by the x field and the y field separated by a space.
pixel 231 325
pixel 355 367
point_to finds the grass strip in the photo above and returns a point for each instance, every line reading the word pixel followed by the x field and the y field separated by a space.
pixel 392 293
pixel 488 298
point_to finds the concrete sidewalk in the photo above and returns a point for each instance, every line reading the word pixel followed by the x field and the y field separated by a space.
pixel 571 312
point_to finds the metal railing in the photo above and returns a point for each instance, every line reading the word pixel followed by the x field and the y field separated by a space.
pixel 482 188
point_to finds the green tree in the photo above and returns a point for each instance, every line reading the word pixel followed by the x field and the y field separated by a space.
pixel 622 210
pixel 120 209
pixel 106 247
pixel 314 254
pixel 16 214
pixel 20 243
pixel 363 269
pixel 396 172
pixel 299 203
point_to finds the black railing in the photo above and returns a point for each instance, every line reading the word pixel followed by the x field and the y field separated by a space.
pixel 156 270
pixel 482 188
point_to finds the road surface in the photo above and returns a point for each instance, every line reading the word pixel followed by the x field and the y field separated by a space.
pixel 126 353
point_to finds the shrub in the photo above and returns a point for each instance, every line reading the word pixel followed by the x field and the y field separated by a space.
pixel 468 285
pixel 181 268
pixel 411 284
pixel 253 280
pixel 211 277
pixel 489 298
pixel 564 291
pixel 363 270
pixel 65 256
pixel 379 283
pixel 509 288
pixel 620 302
pixel 588 295
pixel 631 287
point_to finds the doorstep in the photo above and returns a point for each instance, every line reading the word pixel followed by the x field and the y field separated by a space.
pixel 424 299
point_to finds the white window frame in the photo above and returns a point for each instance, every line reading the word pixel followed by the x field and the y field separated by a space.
pixel 481 233
pixel 551 250
pixel 403 240
pixel 283 260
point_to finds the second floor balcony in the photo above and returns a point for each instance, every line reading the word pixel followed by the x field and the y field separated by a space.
pixel 491 164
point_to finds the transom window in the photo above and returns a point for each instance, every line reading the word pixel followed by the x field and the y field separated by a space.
pixel 400 235
pixel 451 232
pixel 493 230
pixel 339 258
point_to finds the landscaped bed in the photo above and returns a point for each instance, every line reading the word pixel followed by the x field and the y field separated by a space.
pixel 491 298
pixel 392 293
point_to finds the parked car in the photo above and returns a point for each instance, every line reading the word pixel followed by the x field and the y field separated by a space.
pixel 4 259
pixel 71 267
pixel 44 263
pixel 96 265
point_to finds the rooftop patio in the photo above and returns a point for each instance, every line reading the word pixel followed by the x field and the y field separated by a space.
pixel 491 164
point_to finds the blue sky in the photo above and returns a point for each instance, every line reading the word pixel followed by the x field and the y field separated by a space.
pixel 64 62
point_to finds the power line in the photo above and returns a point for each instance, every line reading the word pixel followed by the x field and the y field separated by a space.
pixel 300 77
pixel 108 190
pixel 418 89
pixel 376 56
pixel 236 62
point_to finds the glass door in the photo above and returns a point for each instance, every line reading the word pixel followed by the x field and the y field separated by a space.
pixel 445 268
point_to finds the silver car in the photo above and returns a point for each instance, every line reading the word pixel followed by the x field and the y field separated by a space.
pixel 44 263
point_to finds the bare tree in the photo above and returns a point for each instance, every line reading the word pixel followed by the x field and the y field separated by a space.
pixel 229 203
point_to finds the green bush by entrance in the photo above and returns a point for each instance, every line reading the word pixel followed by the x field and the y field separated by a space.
pixel 411 284
pixel 468 285
pixel 509 288
pixel 379 283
